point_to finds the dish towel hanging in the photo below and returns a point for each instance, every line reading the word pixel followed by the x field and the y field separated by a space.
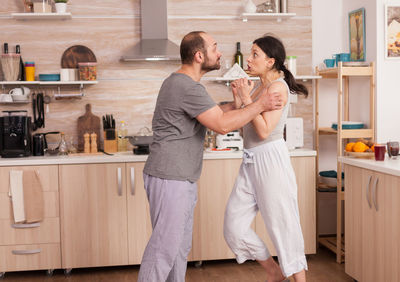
pixel 33 197
pixel 16 193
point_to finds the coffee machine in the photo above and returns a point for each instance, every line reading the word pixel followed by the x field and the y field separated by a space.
pixel 15 134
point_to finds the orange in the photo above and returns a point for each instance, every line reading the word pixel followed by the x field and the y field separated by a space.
pixel 349 146
pixel 360 147
pixel 373 148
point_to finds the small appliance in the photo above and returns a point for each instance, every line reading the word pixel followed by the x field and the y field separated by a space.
pixel 293 133
pixel 15 134
pixel 231 140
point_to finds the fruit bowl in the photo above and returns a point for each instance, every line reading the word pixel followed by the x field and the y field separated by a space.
pixel 362 155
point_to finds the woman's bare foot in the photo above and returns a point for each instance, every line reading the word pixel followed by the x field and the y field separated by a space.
pixel 274 272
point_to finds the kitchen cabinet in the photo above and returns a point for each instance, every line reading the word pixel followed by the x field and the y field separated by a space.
pixel 30 246
pixel 93 215
pixel 214 187
pixel 139 222
pixel 371 224
pixel 304 168
pixel 342 74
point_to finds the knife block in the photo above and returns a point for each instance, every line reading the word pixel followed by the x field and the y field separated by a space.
pixel 110 145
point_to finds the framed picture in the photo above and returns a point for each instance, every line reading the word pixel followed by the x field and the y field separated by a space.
pixel 392 31
pixel 357 35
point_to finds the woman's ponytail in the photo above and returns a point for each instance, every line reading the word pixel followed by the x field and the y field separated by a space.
pixel 294 87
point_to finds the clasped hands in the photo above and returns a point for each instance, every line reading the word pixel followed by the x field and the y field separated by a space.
pixel 241 89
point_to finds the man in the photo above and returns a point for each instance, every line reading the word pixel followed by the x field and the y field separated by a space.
pixel 183 111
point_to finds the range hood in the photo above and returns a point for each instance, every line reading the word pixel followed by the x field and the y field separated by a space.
pixel 154 44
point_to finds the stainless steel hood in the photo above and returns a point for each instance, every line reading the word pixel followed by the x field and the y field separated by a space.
pixel 154 44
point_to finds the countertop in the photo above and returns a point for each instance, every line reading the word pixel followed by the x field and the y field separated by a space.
pixel 388 166
pixel 123 157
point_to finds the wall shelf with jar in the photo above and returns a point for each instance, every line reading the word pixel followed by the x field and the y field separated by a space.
pixel 41 16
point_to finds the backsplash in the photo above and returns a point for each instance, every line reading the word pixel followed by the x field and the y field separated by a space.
pixel 129 90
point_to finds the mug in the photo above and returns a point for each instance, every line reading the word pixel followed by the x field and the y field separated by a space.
pixel 329 63
pixel 393 149
pixel 341 57
pixel 5 98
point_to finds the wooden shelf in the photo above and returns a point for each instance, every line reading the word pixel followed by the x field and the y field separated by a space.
pixel 77 82
pixel 298 77
pixel 330 243
pixel 266 16
pixel 348 133
pixel 41 16
pixel 347 71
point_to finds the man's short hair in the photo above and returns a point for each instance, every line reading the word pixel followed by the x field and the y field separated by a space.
pixel 191 43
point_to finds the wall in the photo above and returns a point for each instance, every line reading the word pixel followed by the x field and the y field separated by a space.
pixel 129 90
pixel 388 97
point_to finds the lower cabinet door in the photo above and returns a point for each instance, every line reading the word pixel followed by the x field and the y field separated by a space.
pixel 93 215
pixel 30 257
pixel 214 187
pixel 139 223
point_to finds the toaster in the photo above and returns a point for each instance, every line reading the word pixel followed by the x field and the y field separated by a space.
pixel 293 133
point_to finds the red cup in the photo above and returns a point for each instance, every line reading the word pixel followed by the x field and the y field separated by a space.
pixel 380 151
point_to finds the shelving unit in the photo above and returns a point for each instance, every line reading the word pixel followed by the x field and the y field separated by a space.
pixel 342 74
pixel 266 16
pixel 41 16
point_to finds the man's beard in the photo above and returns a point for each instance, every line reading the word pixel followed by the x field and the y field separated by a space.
pixel 206 66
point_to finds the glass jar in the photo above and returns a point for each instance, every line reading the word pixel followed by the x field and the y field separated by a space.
pixel 63 147
pixel 87 71
pixel 291 64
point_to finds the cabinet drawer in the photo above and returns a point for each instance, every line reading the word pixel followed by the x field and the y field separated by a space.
pixel 30 257
pixel 51 205
pixel 47 232
pixel 48 176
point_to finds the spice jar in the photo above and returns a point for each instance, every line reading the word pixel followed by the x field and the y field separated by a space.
pixel 87 71
pixel 291 64
pixel 30 71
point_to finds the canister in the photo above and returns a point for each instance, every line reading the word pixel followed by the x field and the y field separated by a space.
pixel 30 71
pixel 291 64
pixel 87 71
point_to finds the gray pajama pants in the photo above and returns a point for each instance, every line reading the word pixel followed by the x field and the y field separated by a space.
pixel 266 183
pixel 172 205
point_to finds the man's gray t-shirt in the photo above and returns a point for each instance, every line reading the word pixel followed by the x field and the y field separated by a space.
pixel 177 149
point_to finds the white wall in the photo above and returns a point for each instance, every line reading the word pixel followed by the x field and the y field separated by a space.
pixel 327 40
pixel 388 89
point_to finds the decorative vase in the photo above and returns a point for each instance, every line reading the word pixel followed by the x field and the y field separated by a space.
pixel 250 7
pixel 61 7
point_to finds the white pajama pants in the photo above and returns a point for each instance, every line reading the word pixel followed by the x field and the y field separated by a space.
pixel 266 183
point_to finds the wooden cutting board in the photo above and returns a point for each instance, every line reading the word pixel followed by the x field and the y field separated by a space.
pixel 88 123
pixel 76 54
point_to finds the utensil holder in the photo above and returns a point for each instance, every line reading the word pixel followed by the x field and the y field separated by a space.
pixel 110 145
pixel 10 64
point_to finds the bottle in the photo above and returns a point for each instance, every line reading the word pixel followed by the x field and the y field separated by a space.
pixel 62 147
pixel 122 140
pixel 238 55
pixel 30 71
pixel 291 64
pixel 21 75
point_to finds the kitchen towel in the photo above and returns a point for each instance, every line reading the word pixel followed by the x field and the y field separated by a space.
pixel 17 195
pixel 33 197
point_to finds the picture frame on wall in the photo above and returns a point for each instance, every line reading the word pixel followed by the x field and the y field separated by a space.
pixel 392 31
pixel 357 35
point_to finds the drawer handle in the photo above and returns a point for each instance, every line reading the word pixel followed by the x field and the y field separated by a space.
pixel 26 252
pixel 25 225
pixel 119 173
pixel 132 181
pixel 374 193
pixel 367 192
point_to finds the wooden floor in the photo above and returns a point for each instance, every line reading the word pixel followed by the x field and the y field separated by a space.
pixel 322 268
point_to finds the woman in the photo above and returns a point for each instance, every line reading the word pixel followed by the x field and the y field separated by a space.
pixel 266 180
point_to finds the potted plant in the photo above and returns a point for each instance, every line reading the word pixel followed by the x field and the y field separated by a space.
pixel 61 6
